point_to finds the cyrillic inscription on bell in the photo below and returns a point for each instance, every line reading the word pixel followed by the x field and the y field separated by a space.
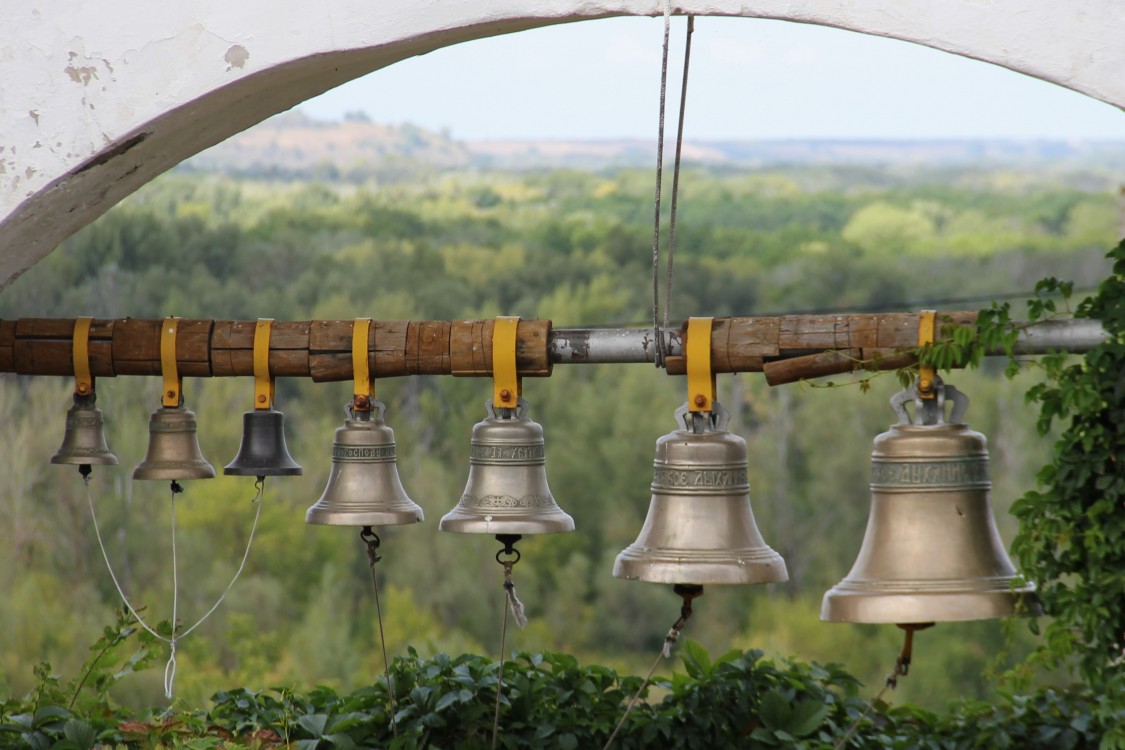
pixel 364 488
pixel 700 528
pixel 507 491
pixel 931 552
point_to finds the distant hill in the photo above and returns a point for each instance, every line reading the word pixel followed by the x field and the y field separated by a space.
pixel 293 144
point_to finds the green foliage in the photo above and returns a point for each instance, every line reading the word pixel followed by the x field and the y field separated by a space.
pixel 78 714
pixel 551 700
pixel 1072 529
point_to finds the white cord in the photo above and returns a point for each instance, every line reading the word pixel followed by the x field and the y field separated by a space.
pixel 170 667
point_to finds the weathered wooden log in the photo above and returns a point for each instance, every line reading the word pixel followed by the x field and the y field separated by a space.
pixel 761 344
pixel 318 349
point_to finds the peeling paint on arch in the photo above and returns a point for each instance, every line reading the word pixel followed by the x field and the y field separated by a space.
pixel 128 89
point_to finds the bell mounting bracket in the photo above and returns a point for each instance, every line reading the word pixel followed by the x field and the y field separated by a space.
pixel 263 383
pixel 927 331
pixel 83 380
pixel 172 395
pixel 700 376
pixel 363 389
pixel 507 386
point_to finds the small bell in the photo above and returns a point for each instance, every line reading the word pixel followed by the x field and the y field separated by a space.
pixel 84 441
pixel 364 488
pixel 507 491
pixel 700 528
pixel 931 552
pixel 263 452
pixel 173 447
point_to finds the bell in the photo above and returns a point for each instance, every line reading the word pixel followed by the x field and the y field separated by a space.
pixel 173 447
pixel 364 488
pixel 507 490
pixel 84 441
pixel 931 552
pixel 700 528
pixel 263 452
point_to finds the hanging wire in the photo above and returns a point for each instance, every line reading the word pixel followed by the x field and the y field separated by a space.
pixel 658 328
pixel 512 601
pixel 676 174
pixel 687 592
pixel 371 539
pixel 657 333
pixel 901 669
pixel 170 667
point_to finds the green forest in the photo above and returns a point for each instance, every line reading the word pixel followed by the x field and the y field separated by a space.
pixel 573 246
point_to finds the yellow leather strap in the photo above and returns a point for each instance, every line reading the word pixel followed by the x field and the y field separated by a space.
pixel 700 378
pixel 263 383
pixel 927 331
pixel 83 380
pixel 173 383
pixel 506 385
pixel 364 389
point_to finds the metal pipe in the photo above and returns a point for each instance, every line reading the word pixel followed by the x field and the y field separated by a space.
pixel 1077 335
pixel 637 345
pixel 609 345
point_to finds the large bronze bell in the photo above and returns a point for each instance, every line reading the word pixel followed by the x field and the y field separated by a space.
pixel 507 490
pixel 173 447
pixel 263 452
pixel 931 552
pixel 363 488
pixel 700 528
pixel 84 441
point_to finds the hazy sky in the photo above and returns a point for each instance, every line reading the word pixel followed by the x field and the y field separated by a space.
pixel 750 78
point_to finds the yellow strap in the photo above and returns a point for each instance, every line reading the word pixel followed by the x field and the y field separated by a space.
pixel 173 383
pixel 263 383
pixel 83 380
pixel 927 320
pixel 363 390
pixel 700 378
pixel 506 386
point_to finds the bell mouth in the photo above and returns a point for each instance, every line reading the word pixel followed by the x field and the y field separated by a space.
pixel 991 599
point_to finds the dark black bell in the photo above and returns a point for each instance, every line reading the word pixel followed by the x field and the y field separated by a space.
pixel 263 452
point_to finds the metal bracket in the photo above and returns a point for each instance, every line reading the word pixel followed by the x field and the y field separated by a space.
pixel 263 383
pixel 927 332
pixel 172 395
pixel 363 391
pixel 83 380
pixel 700 377
pixel 506 384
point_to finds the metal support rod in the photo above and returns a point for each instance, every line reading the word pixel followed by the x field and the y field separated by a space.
pixel 786 348
pixel 580 346
pixel 577 346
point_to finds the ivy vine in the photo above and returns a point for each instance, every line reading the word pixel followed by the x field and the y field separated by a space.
pixel 1071 538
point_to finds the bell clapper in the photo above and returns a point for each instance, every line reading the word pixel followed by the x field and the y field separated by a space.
pixel 687 592
pixel 371 539
pixel 514 603
pixel 901 669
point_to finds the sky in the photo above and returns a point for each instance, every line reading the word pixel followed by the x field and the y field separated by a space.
pixel 749 79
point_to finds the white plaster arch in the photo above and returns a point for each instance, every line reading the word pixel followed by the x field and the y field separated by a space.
pixel 97 97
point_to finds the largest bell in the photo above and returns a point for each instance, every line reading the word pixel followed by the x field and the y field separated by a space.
pixel 363 488
pixel 507 491
pixel 84 441
pixel 173 447
pixel 700 528
pixel 931 552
